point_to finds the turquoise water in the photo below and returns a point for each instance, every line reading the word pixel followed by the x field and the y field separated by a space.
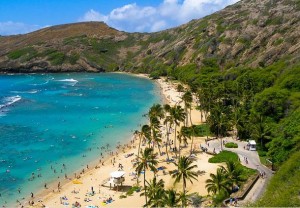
pixel 47 120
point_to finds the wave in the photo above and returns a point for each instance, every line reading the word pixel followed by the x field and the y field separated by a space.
pixel 68 80
pixel 29 91
pixel 41 83
pixel 10 100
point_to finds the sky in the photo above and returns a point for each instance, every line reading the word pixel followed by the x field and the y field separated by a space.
pixel 23 16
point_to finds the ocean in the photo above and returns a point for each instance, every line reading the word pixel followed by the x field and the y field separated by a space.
pixel 55 124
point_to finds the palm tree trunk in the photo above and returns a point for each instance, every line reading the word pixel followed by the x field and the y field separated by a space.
pixel 193 132
pixel 175 141
pixel 179 149
pixel 167 136
pixel 137 178
pixel 145 186
pixel 158 148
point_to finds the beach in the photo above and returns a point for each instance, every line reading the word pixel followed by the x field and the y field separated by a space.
pixel 89 188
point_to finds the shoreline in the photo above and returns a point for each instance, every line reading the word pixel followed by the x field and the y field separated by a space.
pixel 51 190
pixel 94 176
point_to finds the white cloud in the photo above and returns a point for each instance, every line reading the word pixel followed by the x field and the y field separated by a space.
pixel 13 28
pixel 156 26
pixel 170 13
pixel 93 15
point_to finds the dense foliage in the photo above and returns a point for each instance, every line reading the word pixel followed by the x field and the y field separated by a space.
pixel 261 104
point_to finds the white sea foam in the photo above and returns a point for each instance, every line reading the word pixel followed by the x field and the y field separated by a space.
pixel 10 100
pixel 41 83
pixel 68 80
pixel 29 91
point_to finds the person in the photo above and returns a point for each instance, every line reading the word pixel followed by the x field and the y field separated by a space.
pixel 31 195
pixel 45 186
pixel 230 201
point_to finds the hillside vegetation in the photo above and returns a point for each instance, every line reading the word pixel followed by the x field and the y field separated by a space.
pixel 252 33
pixel 283 190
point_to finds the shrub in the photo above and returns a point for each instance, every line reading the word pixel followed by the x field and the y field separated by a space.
pixel 73 58
pixel 132 189
pixel 56 58
pixel 218 198
pixel 122 196
pixel 223 157
pixel 231 145
pixel 29 51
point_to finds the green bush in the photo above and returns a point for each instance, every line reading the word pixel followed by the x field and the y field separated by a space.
pixel 56 58
pixel 73 58
pixel 122 196
pixel 223 157
pixel 218 198
pixel 132 189
pixel 231 145
pixel 29 51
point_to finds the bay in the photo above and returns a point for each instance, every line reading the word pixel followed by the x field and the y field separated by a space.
pixel 47 120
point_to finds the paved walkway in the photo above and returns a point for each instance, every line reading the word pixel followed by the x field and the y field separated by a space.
pixel 253 162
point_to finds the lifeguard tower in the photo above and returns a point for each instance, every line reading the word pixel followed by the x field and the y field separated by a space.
pixel 116 178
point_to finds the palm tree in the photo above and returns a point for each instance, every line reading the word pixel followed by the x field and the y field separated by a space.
pixel 217 182
pixel 233 172
pixel 171 198
pixel 155 193
pixel 168 120
pixel 218 120
pixel 187 99
pixel 156 111
pixel 186 134
pixel 185 171
pixel 146 133
pixel 145 161
pixel 178 116
pixel 260 129
pixel 140 135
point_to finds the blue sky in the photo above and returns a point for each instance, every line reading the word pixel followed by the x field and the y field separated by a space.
pixel 23 16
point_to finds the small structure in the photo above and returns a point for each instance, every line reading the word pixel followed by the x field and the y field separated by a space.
pixel 252 145
pixel 116 178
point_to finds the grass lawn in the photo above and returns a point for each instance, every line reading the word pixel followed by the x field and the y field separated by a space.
pixel 224 156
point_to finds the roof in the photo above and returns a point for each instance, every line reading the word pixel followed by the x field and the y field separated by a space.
pixel 117 174
pixel 252 142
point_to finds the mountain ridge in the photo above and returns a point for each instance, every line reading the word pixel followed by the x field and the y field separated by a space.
pixel 249 33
